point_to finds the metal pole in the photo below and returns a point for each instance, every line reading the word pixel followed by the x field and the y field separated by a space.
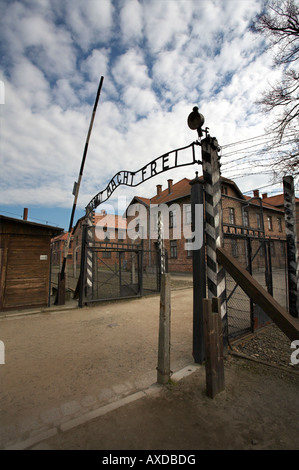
pixel 199 273
pixel 77 184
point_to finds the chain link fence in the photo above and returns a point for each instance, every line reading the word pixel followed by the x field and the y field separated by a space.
pixel 265 260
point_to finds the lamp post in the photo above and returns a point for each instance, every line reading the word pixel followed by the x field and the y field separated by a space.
pixel 195 122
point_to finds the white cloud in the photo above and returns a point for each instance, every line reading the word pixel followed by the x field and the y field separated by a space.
pixel 165 21
pixel 131 21
pixel 96 64
pixel 46 44
pixel 158 59
pixel 131 69
pixel 90 21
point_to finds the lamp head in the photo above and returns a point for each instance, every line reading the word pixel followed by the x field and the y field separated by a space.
pixel 196 120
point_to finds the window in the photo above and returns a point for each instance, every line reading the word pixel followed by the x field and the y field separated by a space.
pixel 231 212
pixel 121 235
pixel 188 214
pixel 269 219
pixel 173 249
pixel 172 219
pixel 245 219
pixel 258 220
pixel 279 224
pixel 235 248
pixel 224 189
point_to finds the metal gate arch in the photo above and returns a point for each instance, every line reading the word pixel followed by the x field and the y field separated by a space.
pixel 88 273
pixel 213 212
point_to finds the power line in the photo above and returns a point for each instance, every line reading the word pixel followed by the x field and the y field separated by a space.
pixel 262 187
pixel 275 146
pixel 251 139
pixel 251 174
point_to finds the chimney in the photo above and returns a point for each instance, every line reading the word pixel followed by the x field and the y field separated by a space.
pixel 159 189
pixel 256 193
pixel 264 195
pixel 103 212
pixel 25 213
pixel 169 186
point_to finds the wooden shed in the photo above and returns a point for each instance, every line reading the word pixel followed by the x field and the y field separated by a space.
pixel 24 263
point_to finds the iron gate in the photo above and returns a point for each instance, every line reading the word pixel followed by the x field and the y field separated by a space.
pixel 120 270
pixel 265 260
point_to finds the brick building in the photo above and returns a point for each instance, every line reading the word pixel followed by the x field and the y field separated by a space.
pixel 257 216
pixel 241 215
pixel 107 228
pixel 57 250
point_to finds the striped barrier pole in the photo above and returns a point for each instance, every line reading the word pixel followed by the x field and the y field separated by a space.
pixel 291 234
pixel 213 221
pixel 161 243
pixel 89 255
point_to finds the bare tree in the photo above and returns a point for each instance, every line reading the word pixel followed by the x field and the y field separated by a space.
pixel 279 24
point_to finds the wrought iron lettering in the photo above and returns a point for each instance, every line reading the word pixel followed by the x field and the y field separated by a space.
pixel 129 178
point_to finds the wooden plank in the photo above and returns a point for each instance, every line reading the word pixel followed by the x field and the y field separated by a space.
pixel 213 339
pixel 25 297
pixel 163 369
pixel 26 271
pixel 210 349
pixel 216 312
pixel 287 324
pixel 25 284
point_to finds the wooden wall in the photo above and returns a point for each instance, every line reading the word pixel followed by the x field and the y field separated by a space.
pixel 25 265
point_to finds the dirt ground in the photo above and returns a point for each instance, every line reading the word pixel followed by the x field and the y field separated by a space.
pixel 61 365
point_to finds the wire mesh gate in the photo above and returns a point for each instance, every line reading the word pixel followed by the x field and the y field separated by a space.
pixel 265 260
pixel 120 270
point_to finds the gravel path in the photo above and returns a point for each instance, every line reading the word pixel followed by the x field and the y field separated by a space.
pixel 269 345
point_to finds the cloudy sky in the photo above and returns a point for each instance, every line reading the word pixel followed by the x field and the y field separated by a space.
pixel 159 58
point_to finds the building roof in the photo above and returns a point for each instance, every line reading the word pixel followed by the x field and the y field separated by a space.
pixel 62 237
pixel 26 223
pixel 277 200
pixel 181 189
pixel 265 204
pixel 178 190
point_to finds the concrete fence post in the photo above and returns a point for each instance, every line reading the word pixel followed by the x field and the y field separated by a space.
pixel 292 253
